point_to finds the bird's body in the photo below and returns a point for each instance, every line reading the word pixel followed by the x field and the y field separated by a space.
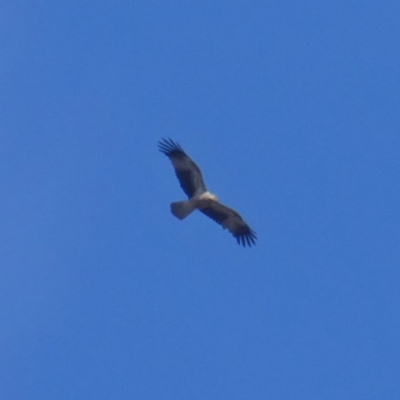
pixel 199 198
pixel 181 209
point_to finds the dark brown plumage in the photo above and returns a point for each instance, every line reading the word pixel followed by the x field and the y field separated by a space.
pixel 192 183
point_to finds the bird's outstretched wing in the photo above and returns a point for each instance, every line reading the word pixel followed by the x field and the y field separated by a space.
pixel 187 172
pixel 231 220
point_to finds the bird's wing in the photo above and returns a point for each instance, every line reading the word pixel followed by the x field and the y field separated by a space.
pixel 231 220
pixel 187 172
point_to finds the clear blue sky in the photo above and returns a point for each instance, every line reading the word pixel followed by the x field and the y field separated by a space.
pixel 291 109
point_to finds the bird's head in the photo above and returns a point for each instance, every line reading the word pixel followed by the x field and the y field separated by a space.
pixel 214 197
pixel 209 196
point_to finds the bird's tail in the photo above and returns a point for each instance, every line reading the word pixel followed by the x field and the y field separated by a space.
pixel 181 209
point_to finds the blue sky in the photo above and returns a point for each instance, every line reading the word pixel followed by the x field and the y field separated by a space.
pixel 291 109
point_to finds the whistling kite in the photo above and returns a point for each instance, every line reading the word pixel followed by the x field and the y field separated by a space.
pixel 191 181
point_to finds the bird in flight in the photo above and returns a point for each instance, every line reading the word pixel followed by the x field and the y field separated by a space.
pixel 199 198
